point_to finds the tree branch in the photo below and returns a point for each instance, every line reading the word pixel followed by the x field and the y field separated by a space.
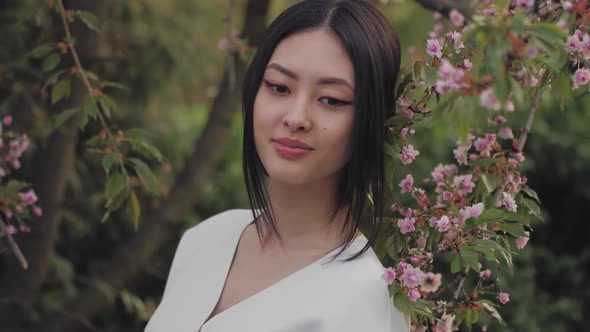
pixel 445 6
pixel 159 225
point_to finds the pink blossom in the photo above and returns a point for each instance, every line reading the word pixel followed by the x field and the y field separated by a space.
pixel 563 25
pixel 488 99
pixel 223 43
pixel 413 295
pixel 412 276
pixel 503 297
pixel 485 274
pixel 443 224
pixel 574 43
pixel 433 48
pixel 472 211
pixel 445 324
pixel 456 18
pixel 484 327
pixel 509 202
pixel 37 211
pixel 467 64
pixel 415 260
pixel 530 81
pixel 447 195
pixel 10 229
pixel 7 120
pixel 431 282
pixel 407 184
pixel 525 4
pixel 521 241
pixel 460 155
pixel 437 15
pixel 505 133
pixel 484 145
pixel 567 5
pixel 509 106
pixel 408 213
pixel 408 113
pixel 389 275
pixel 581 77
pixel 464 183
pixel 408 154
pixel 420 328
pixel 28 197
pixel 490 12
pixel 406 225
pixel 445 69
pixel 19 208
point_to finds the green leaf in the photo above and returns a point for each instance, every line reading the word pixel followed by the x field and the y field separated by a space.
pixel 109 105
pixel 108 160
pixel 64 116
pixel 116 201
pixel 89 20
pixel 531 193
pixel 135 209
pixel 549 33
pixel 105 216
pixel 490 215
pixel 147 177
pixel 470 257
pixel 146 149
pixel 492 310
pixel 430 75
pixel 397 120
pixel 62 89
pixel 471 317
pixel 402 303
pixel 418 73
pixel 115 85
pixel 115 184
pixel 534 207
pixel 488 244
pixel 50 62
pixel 456 264
pixel 83 121
pixel 42 50
pixel 91 110
pixel 513 229
pixel 490 182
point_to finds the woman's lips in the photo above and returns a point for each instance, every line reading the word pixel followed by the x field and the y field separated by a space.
pixel 289 152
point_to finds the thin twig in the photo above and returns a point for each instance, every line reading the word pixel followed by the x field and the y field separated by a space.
pixel 461 281
pixel 12 244
pixel 63 15
pixel 231 64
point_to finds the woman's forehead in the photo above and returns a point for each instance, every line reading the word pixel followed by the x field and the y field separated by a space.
pixel 314 54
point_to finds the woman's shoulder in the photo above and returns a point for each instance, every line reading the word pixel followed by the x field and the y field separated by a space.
pixel 225 223
pixel 362 286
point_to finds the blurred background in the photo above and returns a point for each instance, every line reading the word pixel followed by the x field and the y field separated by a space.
pixel 172 56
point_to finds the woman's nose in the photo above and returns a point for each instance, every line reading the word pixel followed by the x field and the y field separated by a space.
pixel 297 117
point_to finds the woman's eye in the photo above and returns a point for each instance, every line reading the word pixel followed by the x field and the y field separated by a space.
pixel 334 102
pixel 276 89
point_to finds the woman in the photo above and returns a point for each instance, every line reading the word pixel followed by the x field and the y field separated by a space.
pixel 315 99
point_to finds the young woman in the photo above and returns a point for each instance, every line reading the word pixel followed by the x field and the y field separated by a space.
pixel 315 99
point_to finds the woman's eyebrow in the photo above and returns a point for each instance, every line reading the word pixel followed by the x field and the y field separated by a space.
pixel 321 80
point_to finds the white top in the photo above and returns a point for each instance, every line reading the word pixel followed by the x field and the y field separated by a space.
pixel 338 296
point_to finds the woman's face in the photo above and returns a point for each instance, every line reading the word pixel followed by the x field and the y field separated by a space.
pixel 307 95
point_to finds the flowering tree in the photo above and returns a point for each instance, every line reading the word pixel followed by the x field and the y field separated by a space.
pixel 449 236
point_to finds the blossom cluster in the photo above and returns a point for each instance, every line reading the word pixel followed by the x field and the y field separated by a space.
pixel 471 213
pixel 17 202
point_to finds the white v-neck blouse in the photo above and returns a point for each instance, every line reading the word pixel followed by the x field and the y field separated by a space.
pixel 338 296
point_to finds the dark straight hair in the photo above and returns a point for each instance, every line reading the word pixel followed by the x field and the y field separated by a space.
pixel 373 46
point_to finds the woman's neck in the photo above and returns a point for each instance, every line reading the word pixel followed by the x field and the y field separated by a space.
pixel 302 214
